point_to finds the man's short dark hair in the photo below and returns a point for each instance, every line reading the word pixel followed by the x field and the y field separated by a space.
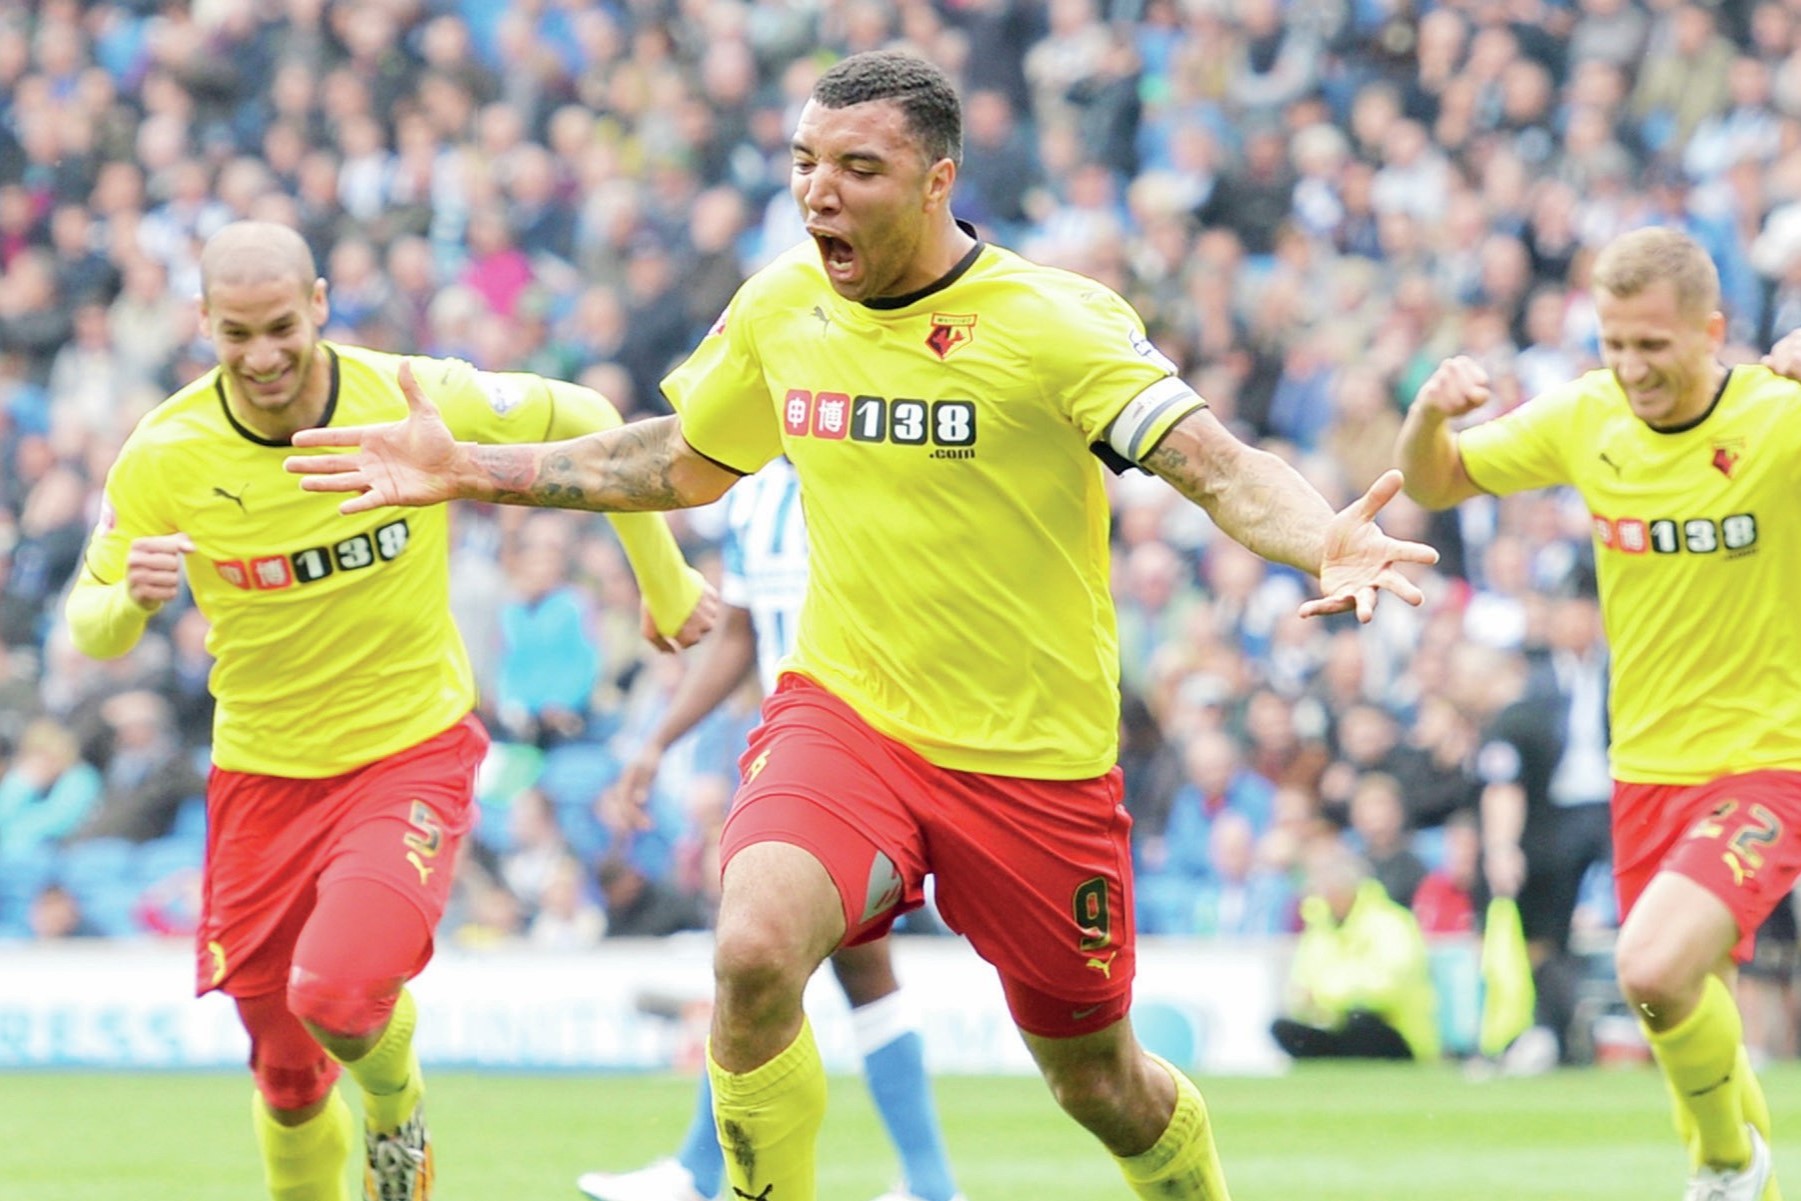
pixel 923 92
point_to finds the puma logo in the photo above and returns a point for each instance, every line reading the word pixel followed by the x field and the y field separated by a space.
pixel 1103 965
pixel 236 499
pixel 412 857
pixel 1610 463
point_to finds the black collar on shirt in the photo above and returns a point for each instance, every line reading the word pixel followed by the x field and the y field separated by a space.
pixel 938 285
pixel 1705 414
pixel 250 435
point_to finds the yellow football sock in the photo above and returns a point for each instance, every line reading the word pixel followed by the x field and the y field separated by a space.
pixel 306 1162
pixel 1182 1165
pixel 1757 1112
pixel 1684 1121
pixel 389 1073
pixel 769 1118
pixel 1700 1058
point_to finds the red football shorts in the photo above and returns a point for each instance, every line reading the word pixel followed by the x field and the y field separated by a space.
pixel 1739 837
pixel 271 843
pixel 1035 872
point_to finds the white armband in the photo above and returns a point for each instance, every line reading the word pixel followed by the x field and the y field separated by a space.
pixel 1130 431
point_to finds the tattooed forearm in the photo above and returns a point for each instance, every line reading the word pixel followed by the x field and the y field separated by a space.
pixel 1252 495
pixel 629 468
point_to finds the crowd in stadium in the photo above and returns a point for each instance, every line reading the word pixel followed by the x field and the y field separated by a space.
pixel 1310 203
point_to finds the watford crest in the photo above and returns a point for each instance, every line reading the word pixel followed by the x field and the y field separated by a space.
pixel 1726 457
pixel 951 332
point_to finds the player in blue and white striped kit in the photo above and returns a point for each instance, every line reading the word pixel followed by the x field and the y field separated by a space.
pixel 765 579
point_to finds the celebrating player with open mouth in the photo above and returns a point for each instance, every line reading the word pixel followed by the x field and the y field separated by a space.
pixel 951 705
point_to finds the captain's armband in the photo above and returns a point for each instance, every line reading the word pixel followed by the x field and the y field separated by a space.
pixel 1149 415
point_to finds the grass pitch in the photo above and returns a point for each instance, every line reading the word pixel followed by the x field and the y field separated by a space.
pixel 1376 1133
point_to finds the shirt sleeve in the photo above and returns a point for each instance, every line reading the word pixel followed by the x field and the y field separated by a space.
pixel 511 407
pixel 496 406
pixel 1106 369
pixel 104 622
pixel 722 395
pixel 1525 447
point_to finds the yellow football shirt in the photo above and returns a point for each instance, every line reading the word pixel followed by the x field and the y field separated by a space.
pixel 333 641
pixel 956 517
pixel 1697 557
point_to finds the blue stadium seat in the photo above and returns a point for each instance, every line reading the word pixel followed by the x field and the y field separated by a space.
pixel 575 773
pixel 190 820
pixel 102 874
pixel 166 856
pixel 20 881
pixel 1165 903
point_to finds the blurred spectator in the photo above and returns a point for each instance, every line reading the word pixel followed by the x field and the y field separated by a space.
pixel 661 330
pixel 568 919
pixel 1218 782
pixel 1358 987
pixel 1445 901
pixel 52 529
pixel 497 269
pixel 147 772
pixel 56 914
pixel 1240 898
pixel 1545 802
pixel 999 169
pixel 46 793
pixel 190 667
pixel 1433 765
pixel 640 907
pixel 1682 80
pixel 1379 828
pixel 1151 767
pixel 549 662
pixel 536 849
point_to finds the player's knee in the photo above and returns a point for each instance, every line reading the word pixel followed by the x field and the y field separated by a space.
pixel 291 1070
pixel 295 1087
pixel 342 1012
pixel 1651 979
pixel 760 958
pixel 756 955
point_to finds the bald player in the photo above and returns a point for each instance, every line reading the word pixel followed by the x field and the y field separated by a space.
pixel 344 743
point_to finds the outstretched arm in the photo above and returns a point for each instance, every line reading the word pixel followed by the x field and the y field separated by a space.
pixel 1262 502
pixel 644 465
pixel 679 606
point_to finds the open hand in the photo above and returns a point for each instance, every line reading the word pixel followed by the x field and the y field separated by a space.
pixel 412 462
pixel 1360 560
